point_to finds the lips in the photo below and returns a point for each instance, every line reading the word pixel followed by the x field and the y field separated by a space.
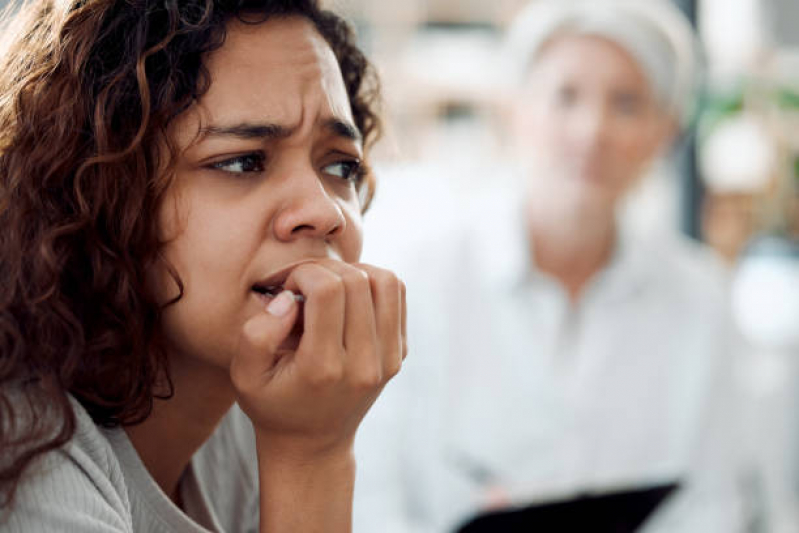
pixel 271 286
pixel 270 291
pixel 274 283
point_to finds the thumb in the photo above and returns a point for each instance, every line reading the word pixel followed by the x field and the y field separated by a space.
pixel 260 339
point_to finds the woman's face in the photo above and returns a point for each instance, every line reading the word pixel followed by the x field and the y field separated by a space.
pixel 266 177
pixel 588 121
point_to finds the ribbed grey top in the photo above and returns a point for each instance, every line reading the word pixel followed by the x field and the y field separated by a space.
pixel 97 483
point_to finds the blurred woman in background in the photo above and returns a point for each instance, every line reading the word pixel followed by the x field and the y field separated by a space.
pixel 566 367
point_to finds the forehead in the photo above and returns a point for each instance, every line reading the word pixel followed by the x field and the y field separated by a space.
pixel 589 57
pixel 273 43
pixel 282 70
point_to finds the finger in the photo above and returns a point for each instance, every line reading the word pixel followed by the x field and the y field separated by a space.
pixel 363 364
pixel 260 339
pixel 320 353
pixel 387 293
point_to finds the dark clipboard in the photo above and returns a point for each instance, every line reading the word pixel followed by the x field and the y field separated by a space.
pixel 616 512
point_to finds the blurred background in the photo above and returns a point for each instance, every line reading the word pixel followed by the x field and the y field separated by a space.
pixel 740 168
pixel 732 183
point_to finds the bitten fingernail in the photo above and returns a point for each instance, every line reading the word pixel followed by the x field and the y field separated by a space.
pixel 281 304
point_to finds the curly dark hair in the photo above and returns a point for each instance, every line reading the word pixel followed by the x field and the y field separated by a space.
pixel 87 91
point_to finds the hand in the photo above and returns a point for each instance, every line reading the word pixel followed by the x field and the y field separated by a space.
pixel 310 401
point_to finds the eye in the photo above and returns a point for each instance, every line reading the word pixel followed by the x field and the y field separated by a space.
pixel 240 164
pixel 348 170
pixel 566 96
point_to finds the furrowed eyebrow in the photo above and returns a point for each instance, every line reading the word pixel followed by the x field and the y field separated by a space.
pixel 343 129
pixel 248 131
pixel 270 131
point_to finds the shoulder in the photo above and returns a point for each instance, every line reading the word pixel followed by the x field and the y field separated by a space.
pixel 78 487
pixel 687 268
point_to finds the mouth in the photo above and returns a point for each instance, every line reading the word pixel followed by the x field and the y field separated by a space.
pixel 267 291
pixel 274 284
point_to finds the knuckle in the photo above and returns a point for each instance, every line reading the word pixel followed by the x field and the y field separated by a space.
pixel 383 277
pixel 326 374
pixel 388 285
pixel 393 368
pixel 368 378
pixel 356 278
pixel 330 288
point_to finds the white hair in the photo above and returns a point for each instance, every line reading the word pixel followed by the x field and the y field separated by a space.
pixel 653 32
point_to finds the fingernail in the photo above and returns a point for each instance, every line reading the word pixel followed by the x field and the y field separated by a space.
pixel 281 304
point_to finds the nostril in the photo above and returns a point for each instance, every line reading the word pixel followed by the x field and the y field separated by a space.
pixel 303 227
pixel 311 228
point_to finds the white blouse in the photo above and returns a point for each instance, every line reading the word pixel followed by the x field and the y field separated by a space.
pixel 511 394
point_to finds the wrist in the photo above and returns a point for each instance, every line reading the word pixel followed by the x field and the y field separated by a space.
pixel 306 492
pixel 300 451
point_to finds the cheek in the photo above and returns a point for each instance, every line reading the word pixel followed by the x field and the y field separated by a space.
pixel 160 281
pixel 634 152
pixel 170 220
pixel 201 239
pixel 630 162
pixel 638 140
pixel 213 244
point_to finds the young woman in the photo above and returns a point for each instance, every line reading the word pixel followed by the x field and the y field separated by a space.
pixel 181 189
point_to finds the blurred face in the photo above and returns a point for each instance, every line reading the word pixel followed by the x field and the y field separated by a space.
pixel 588 121
pixel 266 178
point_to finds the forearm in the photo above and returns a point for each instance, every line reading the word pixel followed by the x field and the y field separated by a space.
pixel 306 495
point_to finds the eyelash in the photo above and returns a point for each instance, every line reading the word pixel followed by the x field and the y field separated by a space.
pixel 256 158
pixel 354 170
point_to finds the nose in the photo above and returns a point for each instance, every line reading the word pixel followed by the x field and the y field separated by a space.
pixel 309 211
pixel 592 129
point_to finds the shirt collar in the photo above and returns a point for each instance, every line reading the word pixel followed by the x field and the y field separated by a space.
pixel 508 263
